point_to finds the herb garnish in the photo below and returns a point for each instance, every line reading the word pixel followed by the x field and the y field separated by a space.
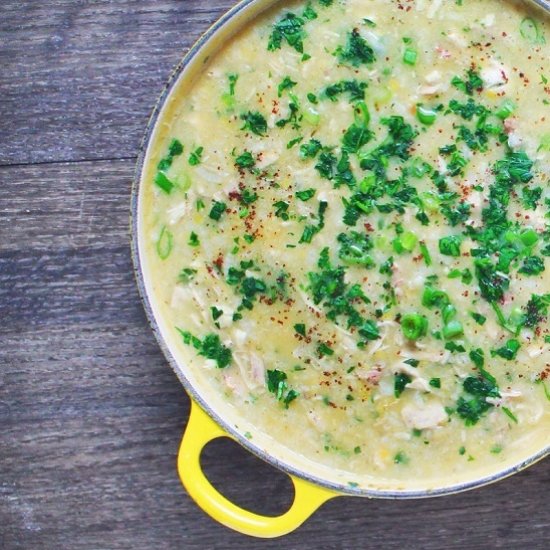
pixel 311 230
pixel 471 83
pixel 328 286
pixel 400 382
pixel 255 122
pixel 195 157
pixel 210 347
pixel 356 52
pixel 278 386
pixel 218 208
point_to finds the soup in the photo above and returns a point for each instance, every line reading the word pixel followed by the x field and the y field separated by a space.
pixel 347 227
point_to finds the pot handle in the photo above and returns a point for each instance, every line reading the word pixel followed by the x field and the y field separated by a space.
pixel 200 430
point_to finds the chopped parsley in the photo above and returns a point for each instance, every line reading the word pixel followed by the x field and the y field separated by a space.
pixel 354 249
pixel 175 149
pixel 326 165
pixel 490 237
pixel 311 230
pixel 397 144
pixel 310 149
pixel 293 117
pixel 328 286
pixel 286 84
pixel 471 83
pixel 467 110
pixel 233 78
pixel 324 349
pixel 400 382
pixel 210 347
pixel 478 358
pixel 457 214
pixel 401 458
pixel 450 246
pixel 453 347
pixel 278 386
pixel 245 160
pixel 508 351
pixel 254 122
pixel 216 313
pixel 355 89
pixel 474 405
pixel 492 283
pixel 465 275
pixel 218 208
pixel 358 134
pixel 355 137
pixel 193 239
pixel 305 195
pixel 281 210
pixel 309 13
pixel 536 310
pixel 289 29
pixel 356 52
pixel 532 265
pixel 531 197
pixel 478 318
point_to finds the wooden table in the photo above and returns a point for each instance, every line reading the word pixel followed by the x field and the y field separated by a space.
pixel 90 413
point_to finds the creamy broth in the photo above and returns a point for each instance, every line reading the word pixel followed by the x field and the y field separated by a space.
pixel 347 224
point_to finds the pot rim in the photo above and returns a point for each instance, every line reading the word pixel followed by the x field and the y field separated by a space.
pixel 191 56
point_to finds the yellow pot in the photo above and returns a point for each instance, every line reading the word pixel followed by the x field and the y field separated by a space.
pixel 209 419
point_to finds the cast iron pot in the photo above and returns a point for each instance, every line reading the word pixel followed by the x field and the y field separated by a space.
pixel 210 418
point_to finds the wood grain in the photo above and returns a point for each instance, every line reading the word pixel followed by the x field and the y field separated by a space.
pixel 90 413
pixel 79 79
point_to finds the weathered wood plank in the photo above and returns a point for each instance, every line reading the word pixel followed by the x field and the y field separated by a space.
pixel 70 206
pixel 79 79
pixel 64 232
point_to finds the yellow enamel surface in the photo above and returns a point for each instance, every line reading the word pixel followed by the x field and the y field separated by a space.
pixel 202 429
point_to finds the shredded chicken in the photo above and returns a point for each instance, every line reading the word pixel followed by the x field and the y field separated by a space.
pixel 424 416
pixel 177 212
pixel 434 8
pixel 252 369
pixel 495 75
